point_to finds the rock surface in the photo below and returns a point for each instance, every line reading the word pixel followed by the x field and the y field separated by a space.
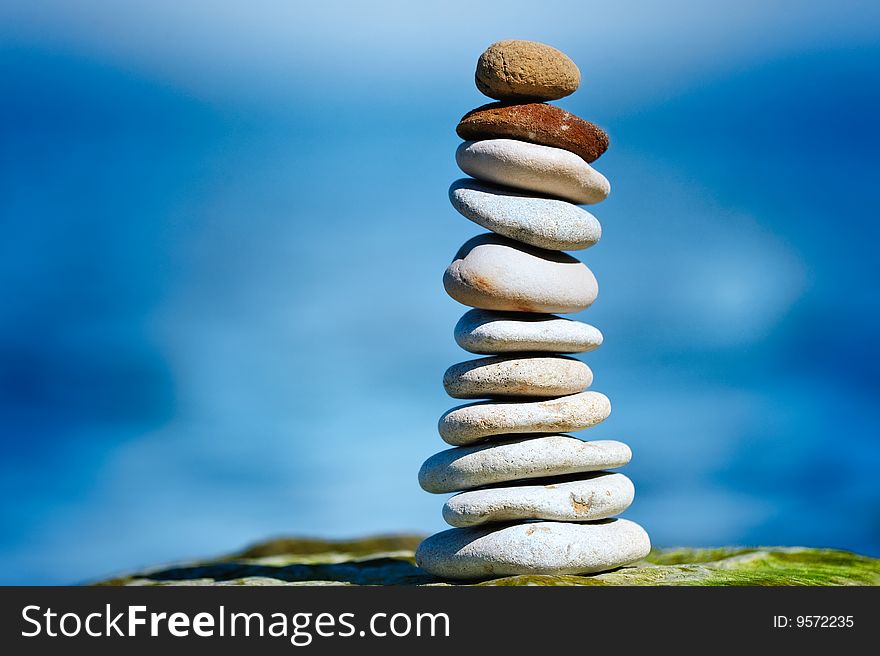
pixel 542 222
pixel 542 169
pixel 514 70
pixel 486 332
pixel 538 123
pixel 495 273
pixel 582 498
pixel 467 424
pixel 507 376
pixel 389 560
pixel 549 548
pixel 467 467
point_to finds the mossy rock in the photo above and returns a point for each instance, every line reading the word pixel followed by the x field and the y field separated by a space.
pixel 388 560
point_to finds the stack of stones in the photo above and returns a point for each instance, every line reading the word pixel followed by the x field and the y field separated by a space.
pixel 532 500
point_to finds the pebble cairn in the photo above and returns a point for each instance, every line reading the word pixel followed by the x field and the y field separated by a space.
pixel 531 499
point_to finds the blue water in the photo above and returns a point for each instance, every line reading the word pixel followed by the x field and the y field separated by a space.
pixel 225 227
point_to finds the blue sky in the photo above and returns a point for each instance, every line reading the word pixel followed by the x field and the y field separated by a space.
pixel 226 225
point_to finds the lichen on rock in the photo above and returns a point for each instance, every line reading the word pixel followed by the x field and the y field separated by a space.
pixel 388 560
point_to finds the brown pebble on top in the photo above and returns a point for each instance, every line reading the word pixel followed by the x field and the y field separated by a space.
pixel 525 70
pixel 538 123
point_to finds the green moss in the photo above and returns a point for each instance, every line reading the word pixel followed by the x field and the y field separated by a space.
pixel 310 547
pixel 388 560
pixel 682 555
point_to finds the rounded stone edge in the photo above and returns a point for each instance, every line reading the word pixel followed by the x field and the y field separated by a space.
pixel 475 318
pixel 578 378
pixel 491 85
pixel 435 556
pixel 519 230
pixel 456 509
pixel 438 476
pixel 546 170
pixel 558 128
pixel 466 291
pixel 470 428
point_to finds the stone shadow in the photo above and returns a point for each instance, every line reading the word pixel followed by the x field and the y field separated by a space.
pixel 375 571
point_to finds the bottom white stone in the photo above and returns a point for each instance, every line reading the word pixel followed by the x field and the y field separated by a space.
pixel 533 548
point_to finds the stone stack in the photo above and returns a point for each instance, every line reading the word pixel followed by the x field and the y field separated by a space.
pixel 531 499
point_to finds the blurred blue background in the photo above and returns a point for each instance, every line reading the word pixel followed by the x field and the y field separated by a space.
pixel 225 226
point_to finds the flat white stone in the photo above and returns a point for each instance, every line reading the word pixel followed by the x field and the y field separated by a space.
pixel 466 467
pixel 487 331
pixel 543 222
pixel 544 169
pixel 506 376
pixel 595 496
pixel 496 273
pixel 554 548
pixel 471 423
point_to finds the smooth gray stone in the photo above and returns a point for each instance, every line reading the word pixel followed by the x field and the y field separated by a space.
pixel 487 331
pixel 543 222
pixel 586 498
pixel 512 376
pixel 496 273
pixel 471 423
pixel 466 467
pixel 543 169
pixel 555 548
